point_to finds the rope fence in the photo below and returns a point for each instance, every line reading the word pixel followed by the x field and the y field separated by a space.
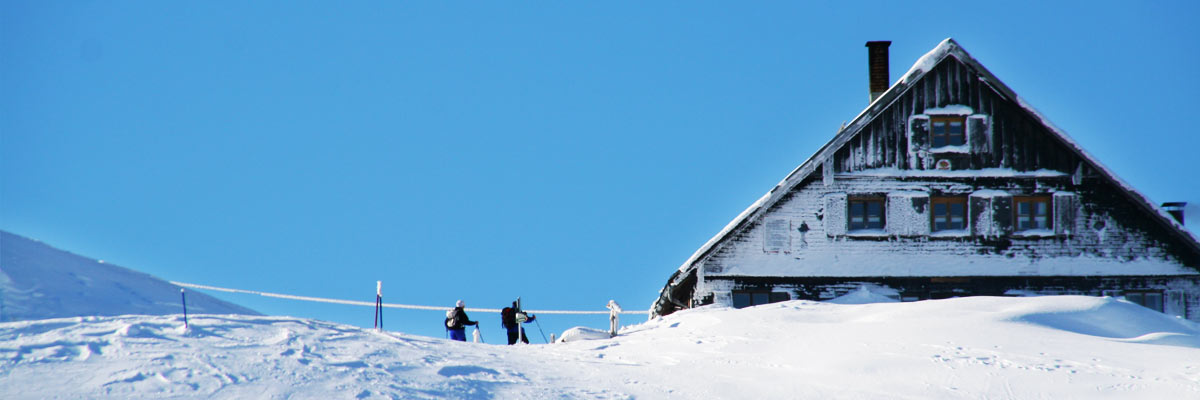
pixel 389 305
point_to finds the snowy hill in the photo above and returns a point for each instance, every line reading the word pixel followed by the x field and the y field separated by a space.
pixel 38 281
pixel 979 347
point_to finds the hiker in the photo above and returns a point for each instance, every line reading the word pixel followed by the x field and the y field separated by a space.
pixel 457 321
pixel 511 318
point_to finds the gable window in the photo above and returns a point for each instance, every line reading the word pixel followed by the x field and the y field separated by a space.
pixel 746 298
pixel 866 213
pixel 949 213
pixel 1032 212
pixel 948 131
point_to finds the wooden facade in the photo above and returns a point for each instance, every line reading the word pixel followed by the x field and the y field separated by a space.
pixel 1095 236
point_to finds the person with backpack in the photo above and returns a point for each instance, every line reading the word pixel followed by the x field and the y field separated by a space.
pixel 457 321
pixel 511 318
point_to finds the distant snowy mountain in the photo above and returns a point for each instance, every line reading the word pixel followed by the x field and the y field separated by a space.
pixel 38 281
pixel 1068 347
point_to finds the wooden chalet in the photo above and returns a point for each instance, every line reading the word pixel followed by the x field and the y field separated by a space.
pixel 947 185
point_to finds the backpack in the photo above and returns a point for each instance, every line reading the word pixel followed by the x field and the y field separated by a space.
pixel 508 317
pixel 450 319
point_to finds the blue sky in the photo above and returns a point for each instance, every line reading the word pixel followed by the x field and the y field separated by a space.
pixel 565 152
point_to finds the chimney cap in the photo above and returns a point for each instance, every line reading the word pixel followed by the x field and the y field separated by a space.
pixel 874 43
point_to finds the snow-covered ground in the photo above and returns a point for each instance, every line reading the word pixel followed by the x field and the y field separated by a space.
pixel 979 347
pixel 38 281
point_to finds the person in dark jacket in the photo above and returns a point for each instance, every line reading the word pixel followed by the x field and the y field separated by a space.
pixel 511 318
pixel 457 321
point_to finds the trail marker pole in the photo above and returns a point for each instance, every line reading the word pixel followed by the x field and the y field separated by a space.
pixel 379 305
pixel 614 321
pixel 183 297
pixel 520 330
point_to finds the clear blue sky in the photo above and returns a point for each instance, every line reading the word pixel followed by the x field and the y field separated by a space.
pixel 566 152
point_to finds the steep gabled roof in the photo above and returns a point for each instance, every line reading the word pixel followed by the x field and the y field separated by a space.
pixel 947 48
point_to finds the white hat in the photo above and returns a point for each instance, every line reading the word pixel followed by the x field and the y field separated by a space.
pixel 460 304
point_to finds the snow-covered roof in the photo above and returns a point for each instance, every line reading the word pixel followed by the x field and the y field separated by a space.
pixel 947 48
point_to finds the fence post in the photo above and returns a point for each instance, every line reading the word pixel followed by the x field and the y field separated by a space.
pixel 614 319
pixel 379 305
pixel 183 297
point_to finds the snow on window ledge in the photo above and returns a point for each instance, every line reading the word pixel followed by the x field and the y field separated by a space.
pixel 1034 234
pixel 964 149
pixel 950 110
pixel 867 233
pixel 951 233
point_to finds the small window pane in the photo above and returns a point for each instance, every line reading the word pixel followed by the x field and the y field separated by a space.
pixel 1154 301
pixel 939 128
pixel 779 296
pixel 741 299
pixel 956 127
pixel 939 141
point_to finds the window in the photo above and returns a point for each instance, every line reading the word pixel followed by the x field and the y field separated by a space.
pixel 866 214
pixel 1151 300
pixel 744 298
pixel 948 131
pixel 1032 212
pixel 949 213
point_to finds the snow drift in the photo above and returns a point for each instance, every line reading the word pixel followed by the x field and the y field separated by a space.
pixel 38 281
pixel 978 347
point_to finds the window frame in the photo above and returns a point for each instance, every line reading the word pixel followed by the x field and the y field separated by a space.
pixel 934 201
pixel 865 222
pixel 1032 216
pixel 1140 298
pixel 770 296
pixel 947 120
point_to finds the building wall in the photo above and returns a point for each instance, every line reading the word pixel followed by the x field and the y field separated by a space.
pixel 1108 238
pixel 1103 241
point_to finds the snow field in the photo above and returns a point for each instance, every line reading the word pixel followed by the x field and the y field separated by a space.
pixel 979 347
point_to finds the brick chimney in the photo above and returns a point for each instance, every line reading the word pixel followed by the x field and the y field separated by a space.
pixel 1175 208
pixel 877 67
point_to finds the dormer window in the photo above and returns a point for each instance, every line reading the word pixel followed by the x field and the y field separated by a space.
pixel 1032 212
pixel 948 131
pixel 866 213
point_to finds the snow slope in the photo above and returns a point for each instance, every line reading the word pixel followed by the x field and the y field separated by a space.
pixel 978 347
pixel 38 281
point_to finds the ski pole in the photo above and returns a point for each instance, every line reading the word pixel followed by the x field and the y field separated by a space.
pixel 539 324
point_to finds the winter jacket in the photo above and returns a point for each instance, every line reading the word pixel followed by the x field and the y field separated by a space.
pixel 460 320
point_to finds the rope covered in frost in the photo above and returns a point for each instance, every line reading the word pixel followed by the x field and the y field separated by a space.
pixel 372 304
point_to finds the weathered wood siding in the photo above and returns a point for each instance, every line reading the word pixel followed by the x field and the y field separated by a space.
pixel 1018 140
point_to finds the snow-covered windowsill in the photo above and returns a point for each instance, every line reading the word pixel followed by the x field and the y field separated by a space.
pixel 964 149
pixel 1034 234
pixel 950 233
pixel 867 233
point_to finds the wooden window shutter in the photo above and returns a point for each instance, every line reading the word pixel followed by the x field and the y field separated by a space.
pixel 979 134
pixel 908 213
pixel 835 214
pixel 1065 208
pixel 918 142
pixel 991 213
